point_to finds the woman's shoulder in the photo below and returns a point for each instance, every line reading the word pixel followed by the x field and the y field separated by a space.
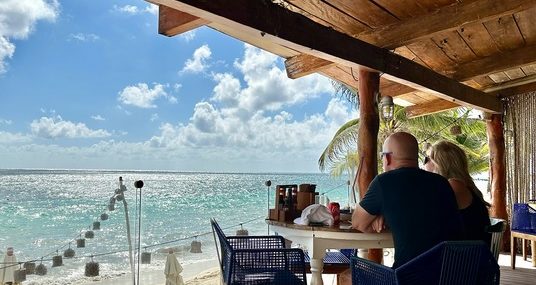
pixel 458 185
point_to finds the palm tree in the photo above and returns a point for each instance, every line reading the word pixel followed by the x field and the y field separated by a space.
pixel 341 156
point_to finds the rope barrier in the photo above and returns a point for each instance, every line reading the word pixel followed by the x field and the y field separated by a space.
pixel 333 189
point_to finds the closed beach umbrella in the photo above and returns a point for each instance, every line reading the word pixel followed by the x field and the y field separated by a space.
pixel 173 270
pixel 7 271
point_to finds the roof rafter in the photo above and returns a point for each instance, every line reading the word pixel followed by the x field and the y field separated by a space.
pixel 431 107
pixel 277 24
pixel 172 22
pixel 446 19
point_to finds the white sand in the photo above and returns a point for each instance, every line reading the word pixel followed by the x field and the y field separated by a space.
pixel 201 273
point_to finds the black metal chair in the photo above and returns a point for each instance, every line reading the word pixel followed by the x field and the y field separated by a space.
pixel 257 260
pixel 450 262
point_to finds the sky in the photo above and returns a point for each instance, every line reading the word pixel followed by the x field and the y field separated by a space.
pixel 90 84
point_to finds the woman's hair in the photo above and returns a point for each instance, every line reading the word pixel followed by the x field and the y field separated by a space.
pixel 451 162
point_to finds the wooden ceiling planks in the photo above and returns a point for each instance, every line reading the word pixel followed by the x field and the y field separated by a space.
pixel 335 17
pixel 402 9
pixel 431 55
pixel 478 39
pixel 515 73
pixel 505 33
pixel 453 45
pixel 525 21
pixel 365 11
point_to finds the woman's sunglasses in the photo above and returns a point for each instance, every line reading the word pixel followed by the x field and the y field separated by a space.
pixel 426 160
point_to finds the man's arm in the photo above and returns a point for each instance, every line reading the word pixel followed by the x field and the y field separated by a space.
pixel 363 221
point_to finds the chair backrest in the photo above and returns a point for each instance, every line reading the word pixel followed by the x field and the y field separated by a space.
pixel 523 218
pixel 497 228
pixel 451 262
pixel 224 250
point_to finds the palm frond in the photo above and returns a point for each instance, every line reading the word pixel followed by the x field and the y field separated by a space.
pixel 340 144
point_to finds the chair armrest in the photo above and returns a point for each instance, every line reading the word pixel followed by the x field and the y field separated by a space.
pixel 256 242
pixel 369 272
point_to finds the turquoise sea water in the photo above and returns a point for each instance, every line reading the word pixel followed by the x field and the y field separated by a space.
pixel 43 210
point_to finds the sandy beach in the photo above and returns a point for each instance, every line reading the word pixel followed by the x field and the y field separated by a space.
pixel 202 273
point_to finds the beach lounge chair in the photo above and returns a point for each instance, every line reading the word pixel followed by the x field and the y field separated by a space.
pixel 449 262
pixel 258 260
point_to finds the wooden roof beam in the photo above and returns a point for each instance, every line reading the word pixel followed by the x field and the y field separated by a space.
pixel 172 22
pixel 431 107
pixel 304 64
pixel 446 19
pixel 277 24
pixel 514 87
pixel 495 63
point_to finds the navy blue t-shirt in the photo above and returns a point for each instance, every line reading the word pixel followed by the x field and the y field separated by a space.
pixel 419 208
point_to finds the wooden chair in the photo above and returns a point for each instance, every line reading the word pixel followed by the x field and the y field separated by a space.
pixel 450 262
pixel 256 260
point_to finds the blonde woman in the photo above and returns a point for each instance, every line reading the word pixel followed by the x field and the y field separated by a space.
pixel 450 161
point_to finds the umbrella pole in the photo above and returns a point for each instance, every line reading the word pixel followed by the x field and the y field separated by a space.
pixel 129 244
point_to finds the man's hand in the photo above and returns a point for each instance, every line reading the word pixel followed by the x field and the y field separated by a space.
pixel 378 224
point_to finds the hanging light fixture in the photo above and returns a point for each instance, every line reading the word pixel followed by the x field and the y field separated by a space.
pixel 387 108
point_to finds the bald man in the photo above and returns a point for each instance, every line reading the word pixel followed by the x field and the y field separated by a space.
pixel 418 206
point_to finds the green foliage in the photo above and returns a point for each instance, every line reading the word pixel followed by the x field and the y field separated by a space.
pixel 341 156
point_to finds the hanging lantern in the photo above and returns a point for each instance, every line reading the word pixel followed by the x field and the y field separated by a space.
pixel 456 130
pixel 57 260
pixel 69 253
pixel 20 275
pixel 92 268
pixel 242 231
pixel 387 108
pixel 145 257
pixel 96 226
pixel 41 269
pixel 195 247
pixel 81 242
pixel 104 217
pixel 89 234
pixel 30 267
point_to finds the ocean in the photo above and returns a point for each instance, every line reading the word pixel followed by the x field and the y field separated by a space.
pixel 41 211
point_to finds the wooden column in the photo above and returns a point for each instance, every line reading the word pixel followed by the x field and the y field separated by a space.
pixel 497 166
pixel 369 124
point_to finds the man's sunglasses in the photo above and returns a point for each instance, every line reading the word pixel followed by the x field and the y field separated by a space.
pixel 384 153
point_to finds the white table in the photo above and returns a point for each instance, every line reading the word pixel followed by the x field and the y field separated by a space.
pixel 319 239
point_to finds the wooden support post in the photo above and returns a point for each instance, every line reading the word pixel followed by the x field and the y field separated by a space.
pixel 369 124
pixel 497 165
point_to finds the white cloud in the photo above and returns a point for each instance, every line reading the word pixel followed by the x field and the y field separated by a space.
pixel 13 138
pixel 188 36
pixel 56 127
pixel 198 62
pixel 154 117
pixel 5 122
pixel 17 20
pixel 142 96
pixel 98 118
pixel 135 10
pixel 127 9
pixel 84 37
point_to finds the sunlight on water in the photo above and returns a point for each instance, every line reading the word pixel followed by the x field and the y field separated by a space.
pixel 43 210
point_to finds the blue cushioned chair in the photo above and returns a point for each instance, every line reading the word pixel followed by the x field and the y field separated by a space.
pixel 257 260
pixel 450 262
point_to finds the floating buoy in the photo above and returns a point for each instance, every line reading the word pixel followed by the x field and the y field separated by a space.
pixel 81 242
pixel 57 260
pixel 104 217
pixel 195 247
pixel 20 275
pixel 146 257
pixel 41 269
pixel 69 253
pixel 30 267
pixel 92 269
pixel 96 226
pixel 242 231
pixel 89 234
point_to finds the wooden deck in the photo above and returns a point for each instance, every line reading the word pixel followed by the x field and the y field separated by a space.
pixel 524 274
